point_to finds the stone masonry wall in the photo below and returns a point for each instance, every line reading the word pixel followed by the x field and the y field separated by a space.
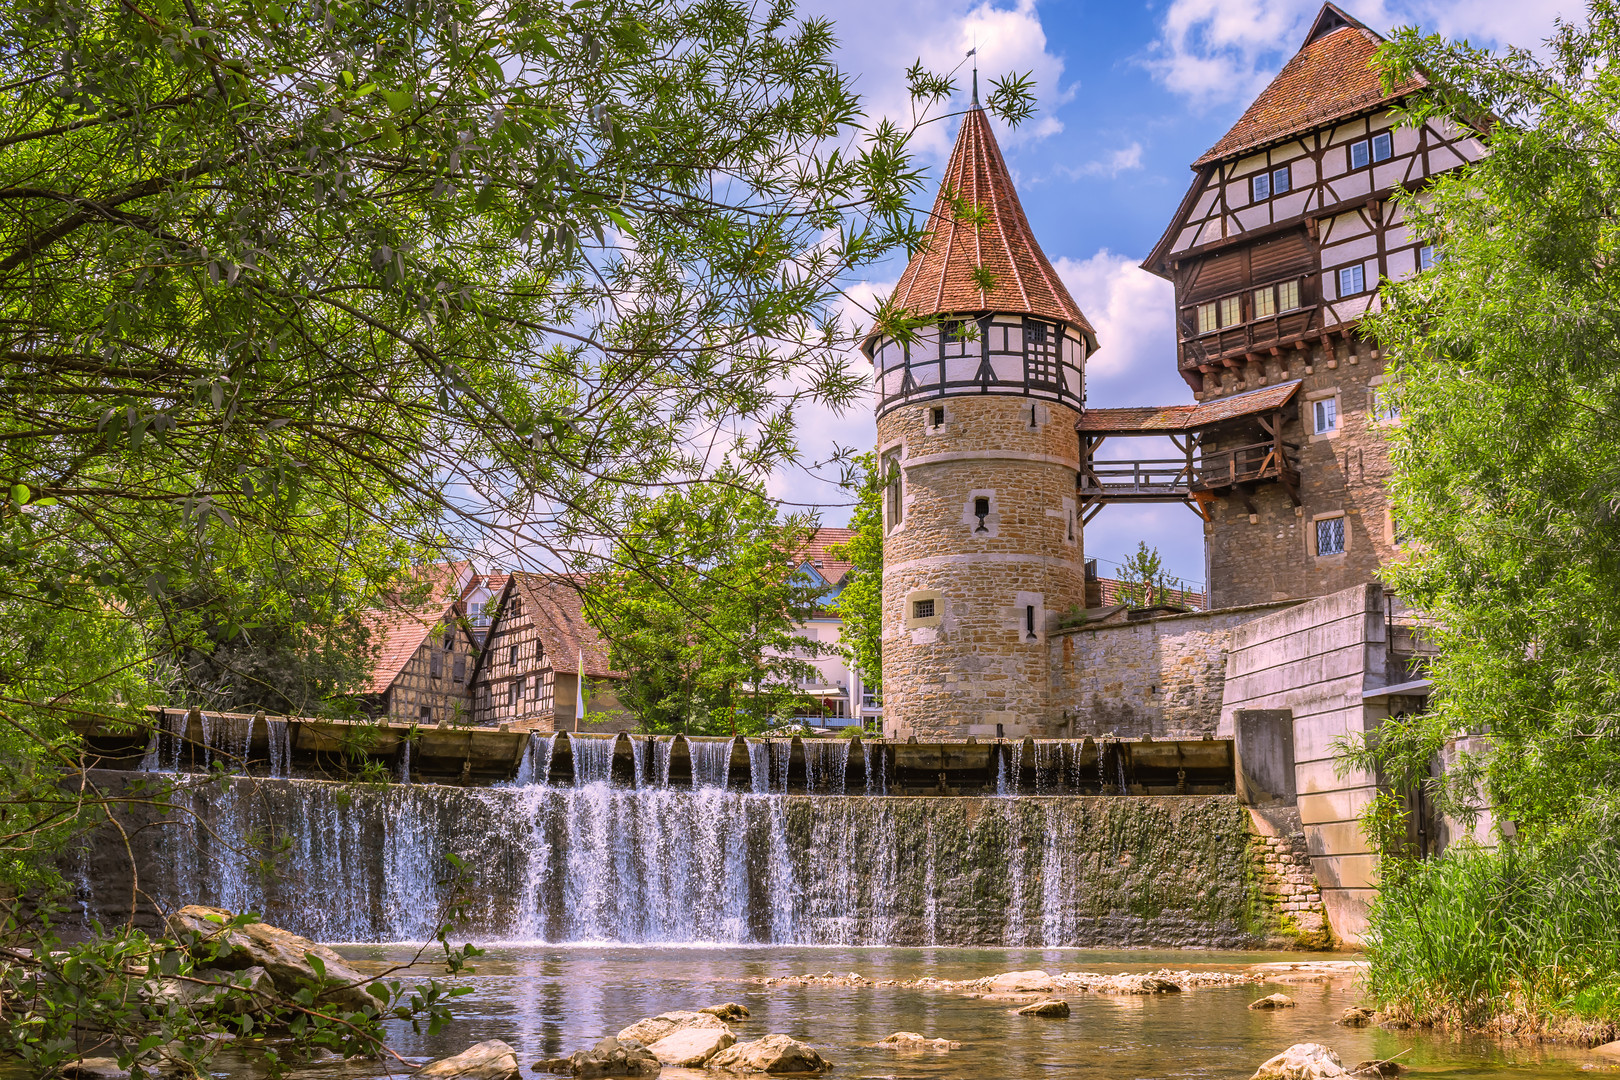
pixel 1345 472
pixel 976 666
pixel 1282 865
pixel 1161 677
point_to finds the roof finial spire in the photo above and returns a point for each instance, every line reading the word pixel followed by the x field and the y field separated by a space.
pixel 974 52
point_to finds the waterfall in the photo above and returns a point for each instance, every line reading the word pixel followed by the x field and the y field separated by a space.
pixel 536 763
pixel 599 863
pixel 768 762
pixel 1008 767
pixel 650 755
pixel 876 783
pixel 405 761
pixel 711 761
pixel 826 763
pixel 593 758
pixel 278 739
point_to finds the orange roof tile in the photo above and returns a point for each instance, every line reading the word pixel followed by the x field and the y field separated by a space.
pixel 405 619
pixel 939 280
pixel 553 603
pixel 1331 77
pixel 815 552
pixel 1150 419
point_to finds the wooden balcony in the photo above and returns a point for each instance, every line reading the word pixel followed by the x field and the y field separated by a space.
pixel 1257 335
pixel 1218 470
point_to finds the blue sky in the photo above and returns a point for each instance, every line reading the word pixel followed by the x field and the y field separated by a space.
pixel 1129 94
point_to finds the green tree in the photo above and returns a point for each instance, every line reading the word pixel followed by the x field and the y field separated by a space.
pixel 296 292
pixel 702 604
pixel 860 602
pixel 1507 456
pixel 1141 577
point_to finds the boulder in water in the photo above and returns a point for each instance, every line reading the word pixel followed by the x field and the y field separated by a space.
pixel 729 1011
pixel 911 1041
pixel 1302 1061
pixel 653 1028
pixel 489 1060
pixel 1275 1001
pixel 615 1057
pixel 690 1048
pixel 1356 1016
pixel 208 985
pixel 1022 982
pixel 1051 1008
pixel 775 1054
pixel 94 1068
pixel 282 954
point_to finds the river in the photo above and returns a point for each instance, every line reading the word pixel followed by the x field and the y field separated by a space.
pixel 548 1001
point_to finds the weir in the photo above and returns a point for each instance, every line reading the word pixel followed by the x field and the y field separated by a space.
pixel 595 861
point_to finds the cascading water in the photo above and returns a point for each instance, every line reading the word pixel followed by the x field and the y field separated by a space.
pixel 593 758
pixel 536 764
pixel 768 763
pixel 826 764
pixel 1008 767
pixel 405 761
pixel 711 762
pixel 596 862
pixel 877 783
pixel 650 755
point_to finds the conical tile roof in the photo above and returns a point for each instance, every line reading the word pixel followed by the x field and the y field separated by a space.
pixel 978 222
pixel 1332 76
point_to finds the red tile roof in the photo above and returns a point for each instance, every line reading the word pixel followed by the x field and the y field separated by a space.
pixel 399 627
pixel 1331 77
pixel 1149 420
pixel 815 552
pixel 553 603
pixel 939 279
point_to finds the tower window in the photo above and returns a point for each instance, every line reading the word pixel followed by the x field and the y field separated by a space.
pixel 1029 621
pixel 1330 536
pixel 922 609
pixel 891 497
pixel 936 416
pixel 981 510
pixel 1035 333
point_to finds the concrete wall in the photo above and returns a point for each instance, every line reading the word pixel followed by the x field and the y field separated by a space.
pixel 1318 659
pixel 1160 677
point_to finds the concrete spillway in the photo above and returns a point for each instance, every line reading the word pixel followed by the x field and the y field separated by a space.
pixel 595 860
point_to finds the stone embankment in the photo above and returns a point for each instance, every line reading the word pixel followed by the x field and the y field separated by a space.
pixel 1028 985
pixel 683 1041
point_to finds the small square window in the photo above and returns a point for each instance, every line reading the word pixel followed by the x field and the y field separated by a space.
pixel 1281 180
pixel 1352 280
pixel 1360 154
pixel 1260 186
pixel 951 329
pixel 1426 257
pixel 922 609
pixel 936 416
pixel 1231 310
pixel 1206 318
pixel 1265 302
pixel 1324 415
pixel 1035 333
pixel 1330 536
pixel 1288 296
pixel 1382 146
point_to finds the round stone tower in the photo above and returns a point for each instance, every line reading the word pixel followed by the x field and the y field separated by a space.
pixel 982 551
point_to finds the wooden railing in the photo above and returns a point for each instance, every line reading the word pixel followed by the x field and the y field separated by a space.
pixel 1250 336
pixel 1241 464
pixel 1157 476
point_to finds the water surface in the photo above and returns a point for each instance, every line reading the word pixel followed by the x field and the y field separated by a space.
pixel 549 1001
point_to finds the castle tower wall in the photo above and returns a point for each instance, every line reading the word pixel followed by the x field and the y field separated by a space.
pixel 968 602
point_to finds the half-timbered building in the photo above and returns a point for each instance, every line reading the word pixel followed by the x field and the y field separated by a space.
pixel 536 650
pixel 1276 252
pixel 424 651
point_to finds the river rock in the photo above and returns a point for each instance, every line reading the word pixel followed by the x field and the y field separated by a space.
pixel 94 1068
pixel 776 1054
pixel 1274 1001
pixel 187 993
pixel 1021 982
pixel 1302 1061
pixel 1608 1049
pixel 690 1048
pixel 910 1040
pixel 284 955
pixel 729 1011
pixel 488 1060
pixel 1355 1016
pixel 653 1028
pixel 1052 1008
pixel 615 1057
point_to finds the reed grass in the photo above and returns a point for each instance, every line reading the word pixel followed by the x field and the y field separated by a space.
pixel 1525 937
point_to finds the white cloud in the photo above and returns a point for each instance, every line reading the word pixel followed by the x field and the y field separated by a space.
pixel 880 40
pixel 1134 314
pixel 1112 165
pixel 1217 51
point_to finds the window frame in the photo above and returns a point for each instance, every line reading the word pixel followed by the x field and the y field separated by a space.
pixel 1388 140
pixel 917 608
pixel 1427 255
pixel 1286 172
pixel 1328 521
pixel 1259 180
pixel 1357 269
pixel 1316 404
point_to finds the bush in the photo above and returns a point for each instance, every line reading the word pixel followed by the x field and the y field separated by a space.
pixel 1527 935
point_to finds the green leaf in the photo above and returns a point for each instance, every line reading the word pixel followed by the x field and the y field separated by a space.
pixel 20 493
